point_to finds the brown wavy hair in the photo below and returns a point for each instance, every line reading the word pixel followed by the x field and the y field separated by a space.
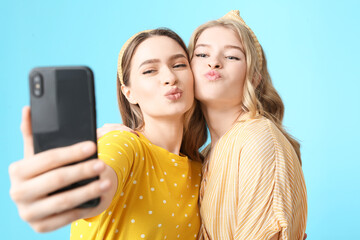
pixel 259 94
pixel 195 131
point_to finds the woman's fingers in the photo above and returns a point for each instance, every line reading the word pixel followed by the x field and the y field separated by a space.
pixel 35 176
pixel 57 221
pixel 27 132
pixel 51 159
pixel 62 202
pixel 54 180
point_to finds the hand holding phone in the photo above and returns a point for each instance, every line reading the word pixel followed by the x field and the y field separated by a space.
pixel 63 112
pixel 37 175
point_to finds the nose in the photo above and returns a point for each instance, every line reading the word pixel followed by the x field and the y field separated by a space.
pixel 169 77
pixel 213 66
pixel 214 63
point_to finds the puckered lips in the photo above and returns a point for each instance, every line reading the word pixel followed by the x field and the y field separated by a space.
pixel 174 94
pixel 213 75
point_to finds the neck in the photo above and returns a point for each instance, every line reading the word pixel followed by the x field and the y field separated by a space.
pixel 166 133
pixel 220 119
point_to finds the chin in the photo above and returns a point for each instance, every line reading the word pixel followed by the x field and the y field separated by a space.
pixel 205 96
pixel 177 109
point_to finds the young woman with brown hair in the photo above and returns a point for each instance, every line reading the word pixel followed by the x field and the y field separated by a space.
pixel 148 186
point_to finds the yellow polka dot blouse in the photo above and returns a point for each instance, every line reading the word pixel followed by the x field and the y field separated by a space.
pixel 156 197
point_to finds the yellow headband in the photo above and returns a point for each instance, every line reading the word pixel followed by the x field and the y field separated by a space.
pixel 235 15
pixel 124 47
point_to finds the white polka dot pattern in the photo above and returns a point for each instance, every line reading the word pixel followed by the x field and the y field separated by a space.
pixel 152 193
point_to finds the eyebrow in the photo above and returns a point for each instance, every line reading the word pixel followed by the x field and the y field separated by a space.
pixel 156 60
pixel 176 56
pixel 227 46
pixel 201 45
pixel 236 47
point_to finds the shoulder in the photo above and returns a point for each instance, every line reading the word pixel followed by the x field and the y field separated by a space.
pixel 258 145
pixel 264 131
pixel 253 131
pixel 120 150
pixel 122 138
pixel 263 138
pixel 121 142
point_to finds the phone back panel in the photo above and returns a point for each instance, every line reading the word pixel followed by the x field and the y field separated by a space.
pixel 65 112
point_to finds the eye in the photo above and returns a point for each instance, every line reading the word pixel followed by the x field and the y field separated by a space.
pixel 182 65
pixel 202 55
pixel 233 58
pixel 148 72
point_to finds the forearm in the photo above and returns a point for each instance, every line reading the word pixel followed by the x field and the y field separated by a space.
pixel 108 196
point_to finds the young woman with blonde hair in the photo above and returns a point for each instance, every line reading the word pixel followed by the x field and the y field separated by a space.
pixel 253 186
pixel 148 186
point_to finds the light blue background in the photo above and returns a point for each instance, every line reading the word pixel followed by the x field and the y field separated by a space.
pixel 312 49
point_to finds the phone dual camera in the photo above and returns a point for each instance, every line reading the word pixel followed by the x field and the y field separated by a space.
pixel 37 84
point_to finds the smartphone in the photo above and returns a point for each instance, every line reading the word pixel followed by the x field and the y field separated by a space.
pixel 63 111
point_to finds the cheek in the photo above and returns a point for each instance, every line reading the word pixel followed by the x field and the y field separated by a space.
pixel 190 77
pixel 242 69
pixel 186 77
pixel 239 71
pixel 195 66
pixel 144 92
pixel 189 85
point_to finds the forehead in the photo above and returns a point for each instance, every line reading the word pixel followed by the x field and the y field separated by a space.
pixel 157 47
pixel 219 35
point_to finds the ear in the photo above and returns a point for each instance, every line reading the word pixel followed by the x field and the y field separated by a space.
pixel 128 94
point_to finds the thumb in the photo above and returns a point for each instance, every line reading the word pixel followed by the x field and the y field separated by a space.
pixel 27 132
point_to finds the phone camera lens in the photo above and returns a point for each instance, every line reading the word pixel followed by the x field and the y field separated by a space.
pixel 37 85
pixel 37 79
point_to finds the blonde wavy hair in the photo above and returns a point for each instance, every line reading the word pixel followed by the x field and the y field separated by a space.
pixel 259 94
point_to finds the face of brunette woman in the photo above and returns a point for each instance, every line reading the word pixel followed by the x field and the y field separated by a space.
pixel 219 67
pixel 161 81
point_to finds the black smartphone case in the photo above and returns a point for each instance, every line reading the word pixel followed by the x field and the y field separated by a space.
pixel 63 111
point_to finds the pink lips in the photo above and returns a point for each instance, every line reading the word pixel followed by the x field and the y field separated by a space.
pixel 212 75
pixel 174 94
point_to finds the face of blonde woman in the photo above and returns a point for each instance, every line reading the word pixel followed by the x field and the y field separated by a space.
pixel 161 81
pixel 219 67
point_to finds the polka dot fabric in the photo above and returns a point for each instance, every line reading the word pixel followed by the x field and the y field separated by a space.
pixel 157 194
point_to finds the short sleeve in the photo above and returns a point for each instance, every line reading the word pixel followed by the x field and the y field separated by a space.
pixel 289 198
pixel 267 195
pixel 118 150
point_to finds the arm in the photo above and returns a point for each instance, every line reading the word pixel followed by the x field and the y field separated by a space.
pixel 35 176
pixel 270 186
pixel 256 181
